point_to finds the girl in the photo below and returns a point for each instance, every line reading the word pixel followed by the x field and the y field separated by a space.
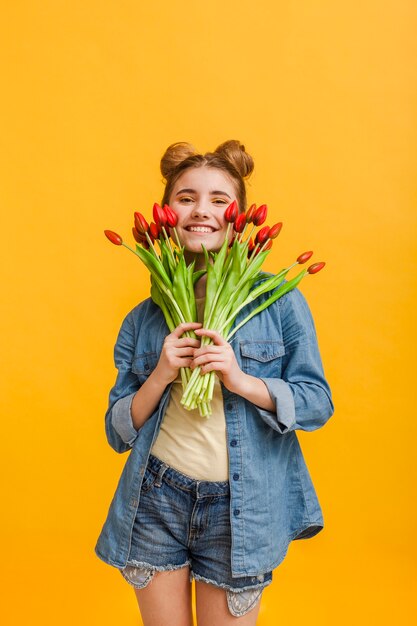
pixel 216 500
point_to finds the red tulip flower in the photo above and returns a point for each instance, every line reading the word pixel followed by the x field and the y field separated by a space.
pixel 113 237
pixel 316 267
pixel 139 237
pixel 231 212
pixel 154 230
pixel 240 223
pixel 172 217
pixel 159 215
pixel 141 224
pixel 303 258
pixel 274 230
pixel 250 213
pixel 260 214
pixel 262 235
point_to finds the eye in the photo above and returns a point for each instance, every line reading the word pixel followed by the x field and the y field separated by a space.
pixel 186 200
pixel 220 201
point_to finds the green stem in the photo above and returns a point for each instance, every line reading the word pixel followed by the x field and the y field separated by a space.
pixel 168 244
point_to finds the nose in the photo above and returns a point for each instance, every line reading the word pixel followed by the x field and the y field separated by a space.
pixel 201 210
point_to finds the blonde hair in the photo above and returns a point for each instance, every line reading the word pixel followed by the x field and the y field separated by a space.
pixel 229 157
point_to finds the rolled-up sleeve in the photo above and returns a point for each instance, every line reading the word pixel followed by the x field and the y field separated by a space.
pixel 120 431
pixel 301 395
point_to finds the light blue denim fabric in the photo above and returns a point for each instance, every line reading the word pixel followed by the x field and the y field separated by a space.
pixel 273 500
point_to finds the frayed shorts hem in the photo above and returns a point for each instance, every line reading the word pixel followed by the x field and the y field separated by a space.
pixel 203 579
pixel 139 574
pixel 239 600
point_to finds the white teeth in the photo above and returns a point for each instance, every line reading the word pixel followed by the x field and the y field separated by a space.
pixel 200 229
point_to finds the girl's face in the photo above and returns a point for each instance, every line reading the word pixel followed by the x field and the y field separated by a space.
pixel 200 197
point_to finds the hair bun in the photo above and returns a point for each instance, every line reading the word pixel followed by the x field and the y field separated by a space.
pixel 235 153
pixel 175 154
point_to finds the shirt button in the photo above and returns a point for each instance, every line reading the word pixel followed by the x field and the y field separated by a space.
pixel 235 476
pixel 233 443
pixel 236 512
pixel 229 406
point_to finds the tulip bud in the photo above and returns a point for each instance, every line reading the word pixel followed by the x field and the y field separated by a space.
pixel 140 223
pixel 154 230
pixel 260 215
pixel 240 223
pixel 139 237
pixel 262 235
pixel 267 246
pixel 159 215
pixel 249 213
pixel 251 245
pixel 113 237
pixel 274 230
pixel 231 212
pixel 172 217
pixel 316 267
pixel 303 258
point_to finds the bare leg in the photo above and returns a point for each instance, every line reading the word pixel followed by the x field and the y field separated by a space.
pixel 211 605
pixel 167 599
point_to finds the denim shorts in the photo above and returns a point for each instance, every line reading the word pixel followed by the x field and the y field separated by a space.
pixel 183 522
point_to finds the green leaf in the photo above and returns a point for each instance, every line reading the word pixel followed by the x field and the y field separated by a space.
pixel 154 265
pixel 197 275
pixel 158 298
pixel 281 291
pixel 190 291
pixel 179 288
pixel 220 258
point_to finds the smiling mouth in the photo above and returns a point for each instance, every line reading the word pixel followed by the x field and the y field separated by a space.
pixel 200 229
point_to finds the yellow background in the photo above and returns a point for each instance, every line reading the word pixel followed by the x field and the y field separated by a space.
pixel 323 95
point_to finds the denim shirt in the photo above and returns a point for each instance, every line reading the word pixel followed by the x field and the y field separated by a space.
pixel 272 497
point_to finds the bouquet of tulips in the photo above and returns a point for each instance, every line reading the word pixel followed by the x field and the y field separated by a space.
pixel 234 280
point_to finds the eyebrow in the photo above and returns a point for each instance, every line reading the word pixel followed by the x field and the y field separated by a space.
pixel 216 192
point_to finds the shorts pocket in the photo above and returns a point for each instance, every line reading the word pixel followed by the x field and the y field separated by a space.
pixel 262 358
pixel 138 577
pixel 148 480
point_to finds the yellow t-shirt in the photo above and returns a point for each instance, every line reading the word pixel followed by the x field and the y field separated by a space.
pixel 194 445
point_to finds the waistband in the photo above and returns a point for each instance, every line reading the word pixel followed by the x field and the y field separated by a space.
pixel 198 487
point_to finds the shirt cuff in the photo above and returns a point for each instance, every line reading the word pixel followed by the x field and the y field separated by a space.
pixel 284 418
pixel 121 419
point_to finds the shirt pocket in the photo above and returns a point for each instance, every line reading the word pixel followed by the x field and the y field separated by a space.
pixel 144 364
pixel 262 359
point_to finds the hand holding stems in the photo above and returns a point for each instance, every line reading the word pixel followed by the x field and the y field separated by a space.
pixel 219 357
pixel 177 352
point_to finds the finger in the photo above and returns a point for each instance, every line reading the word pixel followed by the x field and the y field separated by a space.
pixel 182 362
pixel 182 328
pixel 212 367
pixel 182 342
pixel 207 358
pixel 213 334
pixel 210 349
pixel 181 352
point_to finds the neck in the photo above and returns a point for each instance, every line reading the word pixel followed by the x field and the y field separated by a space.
pixel 200 287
